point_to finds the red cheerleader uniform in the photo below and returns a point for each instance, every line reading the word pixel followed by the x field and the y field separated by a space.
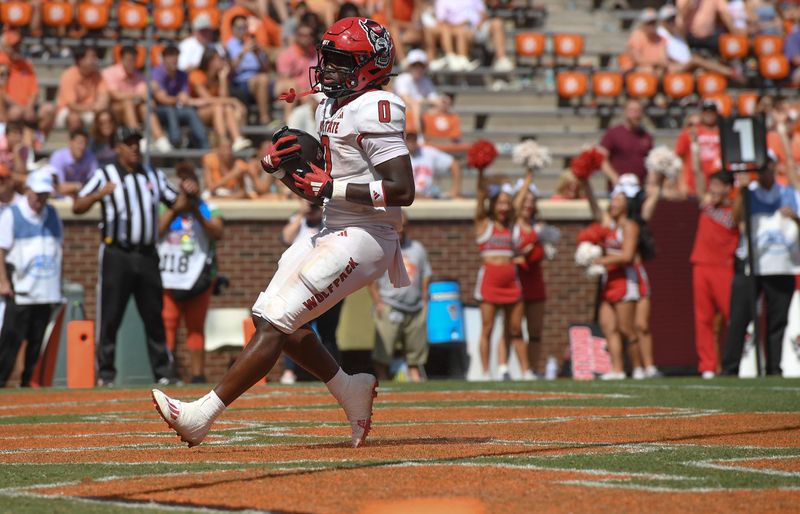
pixel 621 283
pixel 530 273
pixel 497 283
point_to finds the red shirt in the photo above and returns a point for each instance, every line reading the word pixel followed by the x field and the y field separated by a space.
pixel 710 153
pixel 717 237
pixel 627 149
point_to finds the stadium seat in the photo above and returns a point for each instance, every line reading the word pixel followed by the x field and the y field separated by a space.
pixel 571 84
pixel 746 103
pixel 710 83
pixel 16 14
pixel 57 14
pixel 530 44
pixel 212 13
pixel 106 3
pixel 568 45
pixel 732 47
pixel 92 17
pixel 640 84
pixel 140 55
pixel 724 103
pixel 155 54
pixel 132 16
pixel 773 67
pixel 767 45
pixel 202 4
pixel 678 85
pixel 606 84
pixel 168 18
pixel 441 125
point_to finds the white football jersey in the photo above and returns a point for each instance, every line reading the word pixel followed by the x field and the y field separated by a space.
pixel 349 159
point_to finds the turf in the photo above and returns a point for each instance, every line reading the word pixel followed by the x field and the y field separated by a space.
pixel 575 445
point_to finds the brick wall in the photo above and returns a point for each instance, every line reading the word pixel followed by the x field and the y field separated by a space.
pixel 250 250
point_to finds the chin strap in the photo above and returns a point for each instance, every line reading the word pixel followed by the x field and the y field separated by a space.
pixel 291 95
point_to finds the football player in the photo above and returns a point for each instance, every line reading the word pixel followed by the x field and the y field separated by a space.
pixel 365 178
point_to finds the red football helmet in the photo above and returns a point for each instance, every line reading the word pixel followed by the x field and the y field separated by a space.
pixel 361 50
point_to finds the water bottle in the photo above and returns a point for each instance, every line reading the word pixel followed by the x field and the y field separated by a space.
pixel 551 368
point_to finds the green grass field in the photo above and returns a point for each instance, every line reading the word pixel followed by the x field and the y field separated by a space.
pixel 651 446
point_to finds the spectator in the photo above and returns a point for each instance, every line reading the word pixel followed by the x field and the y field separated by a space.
pixel 712 267
pixel 128 91
pixel 209 84
pixel 189 235
pixel 703 21
pixel 497 286
pixel 174 106
pixel 400 314
pixel 21 90
pixel 14 153
pixel 82 92
pixel 31 242
pixel 306 224
pixel 416 89
pixel 74 164
pixel 101 143
pixel 568 187
pixel 403 20
pixel 349 10
pixel 223 174
pixel 265 30
pixel 250 81
pixel 646 48
pixel 791 48
pixel 766 19
pixel 299 15
pixel 776 262
pixel 699 145
pixel 294 62
pixel 427 162
pixel 626 145
pixel 193 48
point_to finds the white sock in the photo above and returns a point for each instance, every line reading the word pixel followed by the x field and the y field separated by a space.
pixel 211 405
pixel 502 368
pixel 338 385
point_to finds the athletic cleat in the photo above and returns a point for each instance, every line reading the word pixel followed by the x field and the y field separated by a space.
pixel 186 419
pixel 359 406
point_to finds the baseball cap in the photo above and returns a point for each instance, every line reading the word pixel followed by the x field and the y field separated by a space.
pixel 648 15
pixel 40 181
pixel 201 22
pixel 11 37
pixel 709 105
pixel 667 12
pixel 124 134
pixel 417 56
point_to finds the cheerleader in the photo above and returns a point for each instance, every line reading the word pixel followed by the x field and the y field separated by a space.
pixel 498 286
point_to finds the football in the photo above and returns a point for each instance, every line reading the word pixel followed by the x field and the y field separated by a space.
pixel 310 151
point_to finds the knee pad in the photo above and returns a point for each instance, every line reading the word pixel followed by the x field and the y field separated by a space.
pixel 273 309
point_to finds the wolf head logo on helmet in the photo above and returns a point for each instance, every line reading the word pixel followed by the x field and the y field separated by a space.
pixel 355 55
pixel 310 151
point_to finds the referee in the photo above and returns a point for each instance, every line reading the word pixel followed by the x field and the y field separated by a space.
pixel 129 196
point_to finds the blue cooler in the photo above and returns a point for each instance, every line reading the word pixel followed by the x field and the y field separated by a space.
pixel 445 313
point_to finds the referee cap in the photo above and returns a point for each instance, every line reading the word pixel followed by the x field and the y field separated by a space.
pixel 126 135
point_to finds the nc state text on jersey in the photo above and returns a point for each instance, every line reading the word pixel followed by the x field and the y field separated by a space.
pixel 329 127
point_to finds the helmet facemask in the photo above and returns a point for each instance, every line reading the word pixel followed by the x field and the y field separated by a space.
pixel 347 65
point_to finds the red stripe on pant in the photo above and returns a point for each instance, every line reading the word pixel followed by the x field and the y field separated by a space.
pixel 712 294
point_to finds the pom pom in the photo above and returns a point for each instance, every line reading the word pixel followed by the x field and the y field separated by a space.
pixel 548 233
pixel 586 253
pixel 664 161
pixel 481 154
pixel 595 233
pixel 531 154
pixel 587 162
pixel 595 270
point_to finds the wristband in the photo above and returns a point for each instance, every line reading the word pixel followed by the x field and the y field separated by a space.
pixel 339 190
pixel 377 194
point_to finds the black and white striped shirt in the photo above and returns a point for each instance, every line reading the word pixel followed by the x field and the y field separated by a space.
pixel 130 212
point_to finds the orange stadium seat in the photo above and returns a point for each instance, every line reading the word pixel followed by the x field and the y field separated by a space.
pixel 132 16
pixel 92 17
pixel 155 54
pixel 202 4
pixel 212 13
pixel 530 44
pixel 768 45
pixel 140 55
pixel 168 18
pixel 746 103
pixel 678 85
pixel 606 84
pixel 724 103
pixel 773 67
pixel 16 14
pixel 733 46
pixel 571 84
pixel 57 14
pixel 640 84
pixel 106 3
pixel 710 83
pixel 441 125
pixel 568 45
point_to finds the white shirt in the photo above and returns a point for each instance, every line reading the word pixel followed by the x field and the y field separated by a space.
pixel 460 11
pixel 7 221
pixel 422 89
pixel 677 49
pixel 192 53
pixel 427 162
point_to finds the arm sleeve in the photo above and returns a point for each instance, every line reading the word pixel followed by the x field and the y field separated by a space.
pixel 382 148
pixel 608 141
pixel 6 230
pixel 168 192
pixel 381 114
pixel 96 181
